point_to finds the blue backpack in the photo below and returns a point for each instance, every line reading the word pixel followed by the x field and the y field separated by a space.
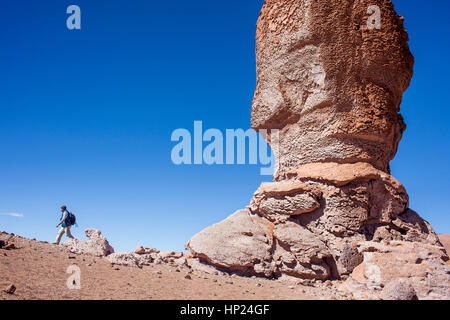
pixel 71 219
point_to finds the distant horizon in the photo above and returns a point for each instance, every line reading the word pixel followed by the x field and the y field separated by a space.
pixel 87 117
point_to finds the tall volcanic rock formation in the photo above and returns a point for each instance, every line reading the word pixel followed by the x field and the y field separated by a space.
pixel 332 86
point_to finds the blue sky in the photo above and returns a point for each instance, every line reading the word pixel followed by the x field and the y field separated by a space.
pixel 86 116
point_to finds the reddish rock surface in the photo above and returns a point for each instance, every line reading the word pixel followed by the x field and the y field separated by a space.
pixel 329 83
pixel 332 87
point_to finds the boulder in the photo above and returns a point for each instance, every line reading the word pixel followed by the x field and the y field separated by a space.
pixel 377 277
pixel 124 259
pixel 142 250
pixel 299 253
pixel 132 259
pixel 350 258
pixel 399 289
pixel 10 289
pixel 139 250
pixel 96 244
pixel 239 243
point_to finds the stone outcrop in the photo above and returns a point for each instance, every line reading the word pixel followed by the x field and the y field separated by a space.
pixel 142 250
pixel 400 270
pixel 96 244
pixel 308 226
pixel 329 83
pixel 332 87
pixel 146 257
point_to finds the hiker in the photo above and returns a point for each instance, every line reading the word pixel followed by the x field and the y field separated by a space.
pixel 67 220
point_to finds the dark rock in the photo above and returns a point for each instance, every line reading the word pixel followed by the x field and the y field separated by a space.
pixel 350 258
pixel 10 289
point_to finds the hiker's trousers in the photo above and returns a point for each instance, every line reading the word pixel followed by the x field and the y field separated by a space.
pixel 61 232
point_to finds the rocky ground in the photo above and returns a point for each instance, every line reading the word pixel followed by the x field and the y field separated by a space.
pixel 38 271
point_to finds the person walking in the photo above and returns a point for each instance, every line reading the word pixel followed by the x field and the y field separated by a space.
pixel 66 222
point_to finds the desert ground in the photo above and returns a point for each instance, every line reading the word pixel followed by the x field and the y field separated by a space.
pixel 38 271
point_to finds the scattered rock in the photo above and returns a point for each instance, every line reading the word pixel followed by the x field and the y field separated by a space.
pixel 97 244
pixel 124 259
pixel 140 250
pixel 399 289
pixel 188 276
pixel 10 289
pixel 350 258
pixel 2 243
pixel 384 264
pixel 9 246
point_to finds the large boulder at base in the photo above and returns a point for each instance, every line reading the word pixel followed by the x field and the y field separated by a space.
pixel 96 244
pixel 240 243
pixel 355 202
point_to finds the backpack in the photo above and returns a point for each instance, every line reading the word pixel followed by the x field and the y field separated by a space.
pixel 71 219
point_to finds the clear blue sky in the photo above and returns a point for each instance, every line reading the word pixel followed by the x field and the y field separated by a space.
pixel 86 116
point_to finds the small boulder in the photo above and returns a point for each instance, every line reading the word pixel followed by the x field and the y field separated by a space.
pixel 124 259
pixel 399 289
pixel 350 258
pixel 182 262
pixel 139 250
pixel 97 244
pixel 9 246
pixel 10 289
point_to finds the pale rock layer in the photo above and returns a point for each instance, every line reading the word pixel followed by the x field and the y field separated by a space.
pixel 96 244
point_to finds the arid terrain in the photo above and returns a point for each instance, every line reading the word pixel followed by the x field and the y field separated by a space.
pixel 38 271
